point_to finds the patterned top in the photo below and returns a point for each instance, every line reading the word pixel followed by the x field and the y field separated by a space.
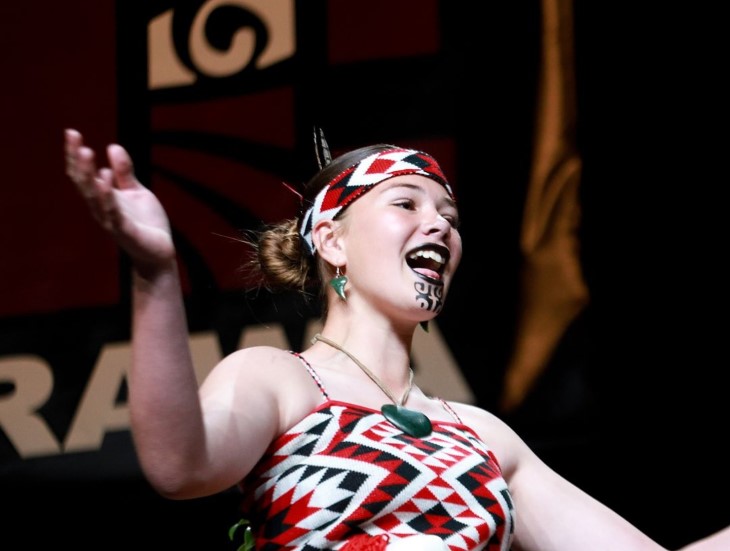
pixel 344 470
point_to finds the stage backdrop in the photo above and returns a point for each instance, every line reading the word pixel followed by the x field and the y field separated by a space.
pixel 216 101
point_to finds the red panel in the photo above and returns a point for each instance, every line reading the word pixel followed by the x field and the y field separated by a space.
pixel 382 29
pixel 259 192
pixel 59 70
pixel 266 118
pixel 211 236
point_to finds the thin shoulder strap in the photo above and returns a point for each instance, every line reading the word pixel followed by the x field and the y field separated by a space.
pixel 313 373
pixel 448 408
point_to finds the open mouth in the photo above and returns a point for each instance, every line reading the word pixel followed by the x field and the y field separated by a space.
pixel 429 261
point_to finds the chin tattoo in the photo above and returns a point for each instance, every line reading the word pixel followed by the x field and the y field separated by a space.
pixel 429 296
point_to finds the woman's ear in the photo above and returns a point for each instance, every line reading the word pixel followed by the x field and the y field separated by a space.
pixel 327 239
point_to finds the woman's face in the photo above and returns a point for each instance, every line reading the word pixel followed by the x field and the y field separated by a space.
pixel 403 245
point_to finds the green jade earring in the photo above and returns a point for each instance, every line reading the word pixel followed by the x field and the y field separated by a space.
pixel 338 283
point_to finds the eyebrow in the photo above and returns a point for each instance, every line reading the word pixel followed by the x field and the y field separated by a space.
pixel 393 185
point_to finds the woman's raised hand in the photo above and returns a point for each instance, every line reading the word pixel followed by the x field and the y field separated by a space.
pixel 120 203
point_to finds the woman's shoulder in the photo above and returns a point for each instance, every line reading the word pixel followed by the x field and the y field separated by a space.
pixel 493 431
pixel 474 415
pixel 256 356
pixel 261 362
pixel 265 377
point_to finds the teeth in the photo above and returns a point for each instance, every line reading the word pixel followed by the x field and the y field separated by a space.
pixel 431 255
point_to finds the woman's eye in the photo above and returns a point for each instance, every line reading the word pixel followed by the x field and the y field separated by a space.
pixel 453 220
pixel 405 204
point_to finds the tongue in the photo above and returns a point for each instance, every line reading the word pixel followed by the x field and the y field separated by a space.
pixel 428 273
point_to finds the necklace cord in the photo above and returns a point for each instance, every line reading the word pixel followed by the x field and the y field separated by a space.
pixel 369 373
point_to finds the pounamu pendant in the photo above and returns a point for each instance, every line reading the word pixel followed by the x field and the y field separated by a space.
pixel 413 423
pixel 338 284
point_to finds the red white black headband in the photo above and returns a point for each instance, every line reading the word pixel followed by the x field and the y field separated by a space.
pixel 353 182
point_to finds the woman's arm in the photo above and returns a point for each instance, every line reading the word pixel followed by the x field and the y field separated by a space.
pixel 555 515
pixel 552 514
pixel 166 418
pixel 719 541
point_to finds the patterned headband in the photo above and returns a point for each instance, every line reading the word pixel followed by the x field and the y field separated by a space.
pixel 353 182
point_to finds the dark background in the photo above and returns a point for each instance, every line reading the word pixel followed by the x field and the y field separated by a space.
pixel 632 407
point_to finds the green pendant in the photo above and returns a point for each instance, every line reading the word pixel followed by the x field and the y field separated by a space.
pixel 338 284
pixel 413 423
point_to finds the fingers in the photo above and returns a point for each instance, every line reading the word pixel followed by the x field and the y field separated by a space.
pixel 96 187
pixel 81 167
pixel 122 166
pixel 105 207
pixel 80 164
pixel 73 142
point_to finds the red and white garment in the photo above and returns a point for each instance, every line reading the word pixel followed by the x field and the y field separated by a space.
pixel 344 472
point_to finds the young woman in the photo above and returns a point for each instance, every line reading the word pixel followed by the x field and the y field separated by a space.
pixel 334 447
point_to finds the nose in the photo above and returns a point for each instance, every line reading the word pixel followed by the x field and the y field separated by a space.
pixel 435 223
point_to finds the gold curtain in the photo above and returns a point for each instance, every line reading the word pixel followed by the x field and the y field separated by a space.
pixel 553 290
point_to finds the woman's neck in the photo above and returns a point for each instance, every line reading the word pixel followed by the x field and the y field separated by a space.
pixel 384 350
